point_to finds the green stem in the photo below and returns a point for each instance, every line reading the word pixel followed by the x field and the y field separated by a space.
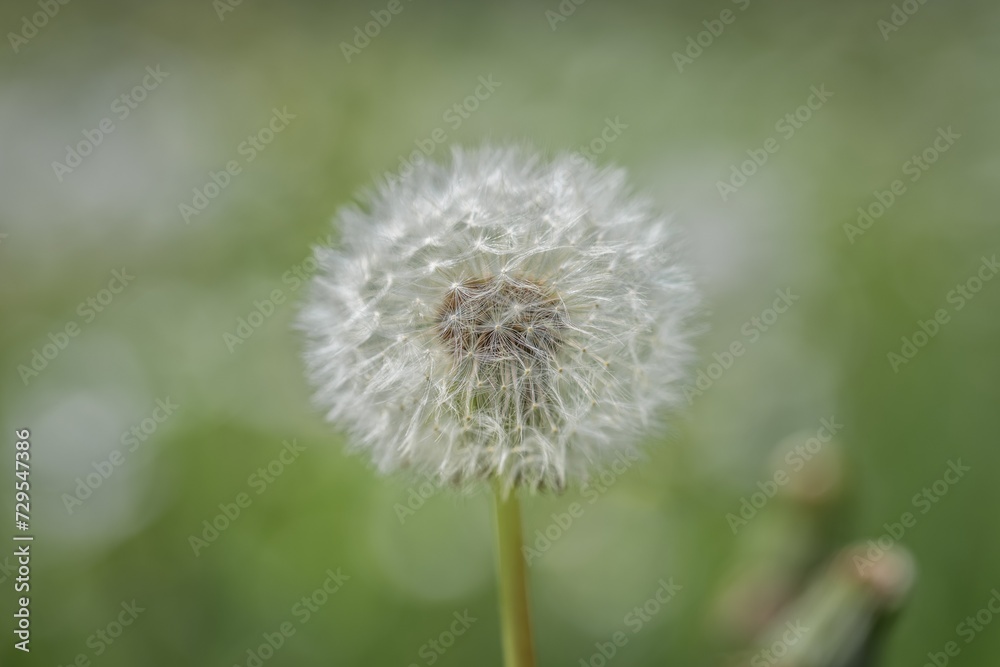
pixel 515 622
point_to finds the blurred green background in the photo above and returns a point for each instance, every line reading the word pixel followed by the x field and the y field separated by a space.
pixel 678 126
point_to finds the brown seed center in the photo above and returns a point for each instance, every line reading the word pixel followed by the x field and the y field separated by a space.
pixel 502 319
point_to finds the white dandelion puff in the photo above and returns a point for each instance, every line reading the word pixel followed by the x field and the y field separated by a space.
pixel 499 317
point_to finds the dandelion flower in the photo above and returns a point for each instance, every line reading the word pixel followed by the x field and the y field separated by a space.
pixel 499 317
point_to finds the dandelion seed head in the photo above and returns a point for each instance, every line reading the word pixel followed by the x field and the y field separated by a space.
pixel 499 316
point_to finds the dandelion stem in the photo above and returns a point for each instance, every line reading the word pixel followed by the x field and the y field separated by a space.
pixel 518 648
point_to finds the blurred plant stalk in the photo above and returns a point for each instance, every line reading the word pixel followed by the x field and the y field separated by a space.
pixel 779 546
pixel 777 609
pixel 841 617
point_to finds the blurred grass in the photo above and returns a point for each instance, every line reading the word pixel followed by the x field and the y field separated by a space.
pixel 163 335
